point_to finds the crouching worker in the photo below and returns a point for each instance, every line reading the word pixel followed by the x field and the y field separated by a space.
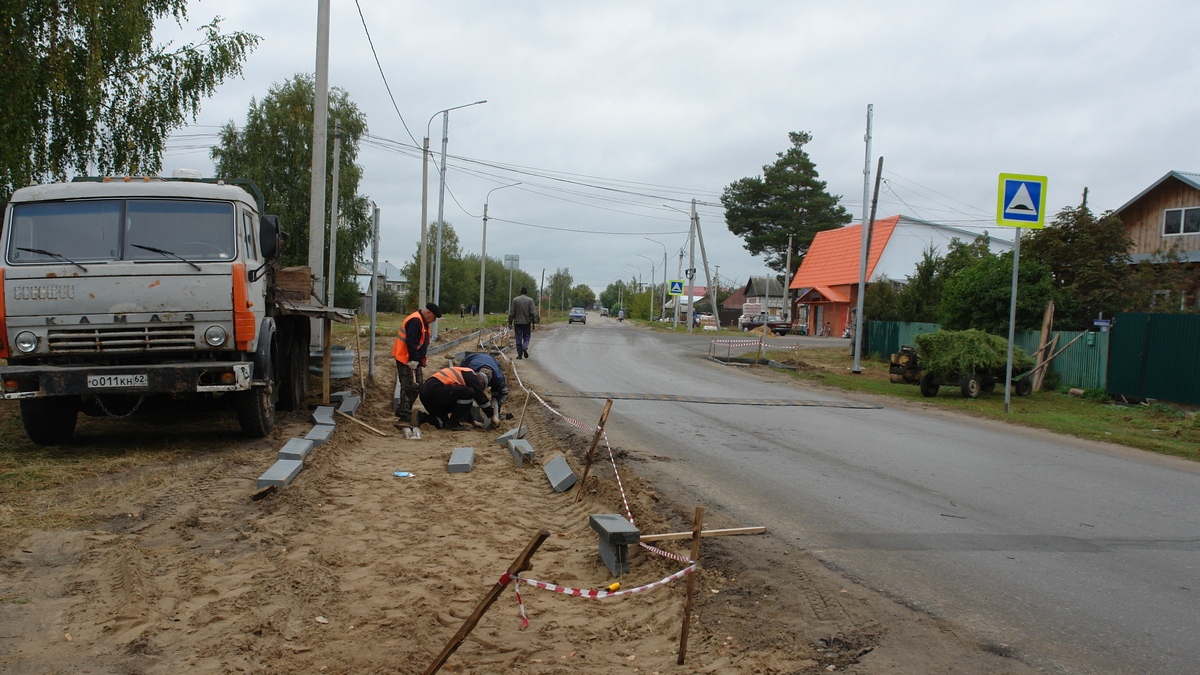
pixel 482 362
pixel 450 395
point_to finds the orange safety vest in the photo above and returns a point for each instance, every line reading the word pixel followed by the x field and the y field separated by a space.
pixel 452 376
pixel 400 348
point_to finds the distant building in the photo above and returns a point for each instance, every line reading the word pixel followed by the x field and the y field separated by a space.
pixel 390 277
pixel 825 287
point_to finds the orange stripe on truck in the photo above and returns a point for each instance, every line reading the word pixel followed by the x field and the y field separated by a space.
pixel 3 320
pixel 243 318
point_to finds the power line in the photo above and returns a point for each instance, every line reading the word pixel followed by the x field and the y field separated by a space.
pixel 380 67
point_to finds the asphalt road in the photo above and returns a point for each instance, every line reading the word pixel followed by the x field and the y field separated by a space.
pixel 1073 556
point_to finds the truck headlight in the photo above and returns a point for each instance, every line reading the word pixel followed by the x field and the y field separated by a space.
pixel 26 342
pixel 215 336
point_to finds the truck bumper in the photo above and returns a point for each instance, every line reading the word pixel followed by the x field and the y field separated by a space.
pixel 38 381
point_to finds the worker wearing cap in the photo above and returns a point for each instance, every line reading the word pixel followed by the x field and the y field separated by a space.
pixel 481 362
pixel 412 342
pixel 450 395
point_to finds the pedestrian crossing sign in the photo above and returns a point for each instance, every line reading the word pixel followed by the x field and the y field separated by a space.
pixel 676 287
pixel 1022 201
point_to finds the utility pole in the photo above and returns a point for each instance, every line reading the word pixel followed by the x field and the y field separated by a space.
pixel 862 260
pixel 331 285
pixel 691 271
pixel 422 294
pixel 1084 205
pixel 316 197
pixel 787 282
pixel 712 295
pixel 679 273
pixel 374 289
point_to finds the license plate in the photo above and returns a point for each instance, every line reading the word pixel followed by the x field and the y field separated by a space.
pixel 114 381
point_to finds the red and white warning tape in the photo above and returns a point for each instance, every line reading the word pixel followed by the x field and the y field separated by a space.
pixel 596 594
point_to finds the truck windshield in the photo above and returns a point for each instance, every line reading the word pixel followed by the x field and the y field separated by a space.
pixel 102 230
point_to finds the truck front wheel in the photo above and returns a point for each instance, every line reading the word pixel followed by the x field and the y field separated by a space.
pixel 50 420
pixel 256 407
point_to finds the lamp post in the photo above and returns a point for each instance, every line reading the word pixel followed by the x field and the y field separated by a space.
pixel 663 305
pixel 483 252
pixel 441 201
pixel 651 284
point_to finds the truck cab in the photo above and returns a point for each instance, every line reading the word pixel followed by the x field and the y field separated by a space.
pixel 118 292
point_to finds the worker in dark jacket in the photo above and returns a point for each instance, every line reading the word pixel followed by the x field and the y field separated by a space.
pixel 409 350
pixel 450 395
pixel 522 316
pixel 484 362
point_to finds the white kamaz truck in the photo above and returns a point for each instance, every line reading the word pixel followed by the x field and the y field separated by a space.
pixel 128 294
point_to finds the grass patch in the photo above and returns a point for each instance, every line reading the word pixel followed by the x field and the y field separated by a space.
pixel 1159 427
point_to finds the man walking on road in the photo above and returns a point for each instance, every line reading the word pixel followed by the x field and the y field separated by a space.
pixel 522 318
pixel 412 343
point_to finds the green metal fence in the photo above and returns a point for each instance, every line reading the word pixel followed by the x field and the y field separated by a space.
pixel 1083 364
pixel 884 338
pixel 1156 356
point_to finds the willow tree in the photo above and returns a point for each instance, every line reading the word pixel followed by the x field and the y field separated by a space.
pixel 85 88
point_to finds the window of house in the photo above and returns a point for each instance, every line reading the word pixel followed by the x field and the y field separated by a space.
pixel 1181 221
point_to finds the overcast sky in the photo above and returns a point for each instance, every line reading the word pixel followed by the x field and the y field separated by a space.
pixel 605 111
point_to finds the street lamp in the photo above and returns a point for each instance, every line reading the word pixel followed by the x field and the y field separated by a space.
pixel 651 283
pixel 441 201
pixel 663 304
pixel 483 253
pixel 639 276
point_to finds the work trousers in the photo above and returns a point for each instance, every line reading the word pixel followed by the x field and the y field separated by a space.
pixel 449 403
pixel 408 379
pixel 522 332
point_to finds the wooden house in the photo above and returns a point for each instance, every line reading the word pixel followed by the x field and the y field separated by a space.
pixel 1163 217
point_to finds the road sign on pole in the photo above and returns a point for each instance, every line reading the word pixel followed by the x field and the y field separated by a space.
pixel 676 287
pixel 1021 201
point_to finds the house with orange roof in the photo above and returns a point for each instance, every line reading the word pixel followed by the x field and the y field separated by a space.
pixel 825 288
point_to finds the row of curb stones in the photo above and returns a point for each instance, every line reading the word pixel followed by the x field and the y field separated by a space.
pixel 290 460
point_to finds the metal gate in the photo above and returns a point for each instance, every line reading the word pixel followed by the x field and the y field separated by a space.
pixel 1155 356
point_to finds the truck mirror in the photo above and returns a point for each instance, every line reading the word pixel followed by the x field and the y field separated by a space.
pixel 268 236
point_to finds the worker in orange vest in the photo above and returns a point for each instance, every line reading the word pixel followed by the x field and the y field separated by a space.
pixel 412 342
pixel 451 395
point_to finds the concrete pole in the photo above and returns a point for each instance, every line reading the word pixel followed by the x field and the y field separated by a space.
pixel 374 289
pixel 437 262
pixel 862 261
pixel 712 293
pixel 424 289
pixel 787 283
pixel 1012 325
pixel 691 272
pixel 331 285
pixel 678 273
pixel 316 197
pixel 483 261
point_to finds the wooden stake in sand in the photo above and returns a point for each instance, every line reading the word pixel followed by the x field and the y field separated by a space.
pixel 519 565
pixel 362 377
pixel 697 526
pixel 592 450
pixel 354 419
pixel 706 533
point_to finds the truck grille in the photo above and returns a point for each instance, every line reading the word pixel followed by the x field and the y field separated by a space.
pixel 121 339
